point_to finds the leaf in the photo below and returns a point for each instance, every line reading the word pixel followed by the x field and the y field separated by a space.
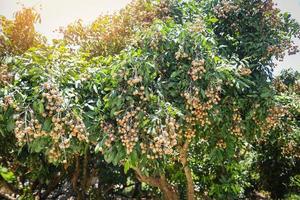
pixel 35 106
pixel 10 125
pixel 38 107
pixel 133 157
pixel 119 156
pixel 39 144
pixel 213 20
pixel 95 89
pixel 7 175
pixel 110 155
pixel 127 166
pixel 97 148
pixel 41 108
pixel 47 124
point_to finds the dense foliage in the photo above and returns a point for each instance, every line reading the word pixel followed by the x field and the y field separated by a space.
pixel 165 99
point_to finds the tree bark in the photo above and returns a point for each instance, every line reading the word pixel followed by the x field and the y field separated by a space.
pixel 169 192
pixel 190 183
pixel 52 185
pixel 75 178
pixel 84 170
pixel 187 171
pixel 6 191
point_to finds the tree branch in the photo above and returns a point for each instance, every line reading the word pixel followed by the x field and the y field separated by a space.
pixel 169 192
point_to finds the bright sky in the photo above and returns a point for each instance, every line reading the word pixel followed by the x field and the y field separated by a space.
pixel 56 13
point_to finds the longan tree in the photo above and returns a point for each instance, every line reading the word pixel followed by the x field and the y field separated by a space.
pixel 187 89
pixel 19 34
pixel 190 84
pixel 109 34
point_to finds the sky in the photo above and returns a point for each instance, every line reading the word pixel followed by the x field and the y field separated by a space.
pixel 57 13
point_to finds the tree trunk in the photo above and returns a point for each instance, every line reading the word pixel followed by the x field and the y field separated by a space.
pixel 6 191
pixel 169 192
pixel 85 170
pixel 187 171
pixel 52 185
pixel 75 178
pixel 190 183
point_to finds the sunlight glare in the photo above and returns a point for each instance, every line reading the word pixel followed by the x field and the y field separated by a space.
pixel 57 13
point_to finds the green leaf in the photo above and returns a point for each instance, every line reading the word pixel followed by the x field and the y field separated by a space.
pixel 6 174
pixel 47 124
pixel 39 144
pixel 38 107
pixel 110 155
pixel 127 166
pixel 41 108
pixel 133 157
pixel 213 20
pixel 35 106
pixel 119 156
pixel 97 148
pixel 10 125
pixel 95 89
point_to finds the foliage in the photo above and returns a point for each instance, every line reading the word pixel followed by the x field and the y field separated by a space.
pixel 178 98
pixel 109 34
pixel 19 35
pixel 278 152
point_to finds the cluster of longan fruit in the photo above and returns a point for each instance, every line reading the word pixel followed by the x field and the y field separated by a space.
pixel 54 154
pixel 135 80
pixel 7 102
pixel 273 119
pixel 144 147
pixel 74 126
pixel 164 7
pixel 53 98
pixel 27 130
pixel 199 109
pixel 225 7
pixel 85 77
pixel 140 93
pixel 296 87
pixel 165 139
pixel 275 50
pixel 198 26
pixel 236 118
pixel 179 55
pixel 198 116
pixel 78 129
pixel 270 12
pixel 155 40
pixel 213 96
pixel 146 17
pixel 64 125
pixel 197 69
pixel 279 85
pixel 292 148
pixel 5 76
pixel 65 143
pixel 108 129
pixel 64 128
pixel 221 144
pixel 188 133
pixel 160 142
pixel 244 71
pixel 128 127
